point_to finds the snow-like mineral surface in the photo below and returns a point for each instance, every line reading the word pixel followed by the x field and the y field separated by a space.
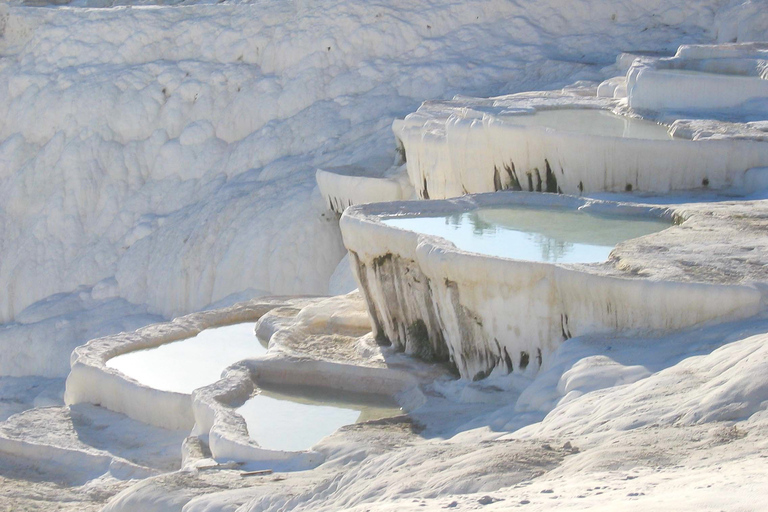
pixel 160 157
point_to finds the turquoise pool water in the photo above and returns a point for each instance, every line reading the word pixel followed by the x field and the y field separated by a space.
pixel 185 365
pixel 295 418
pixel 549 235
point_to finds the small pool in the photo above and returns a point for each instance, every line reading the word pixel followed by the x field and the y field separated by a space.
pixel 552 235
pixel 185 365
pixel 295 418
pixel 593 122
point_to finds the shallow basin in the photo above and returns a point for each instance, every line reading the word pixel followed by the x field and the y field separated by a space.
pixel 533 234
pixel 593 122
pixel 294 418
pixel 185 365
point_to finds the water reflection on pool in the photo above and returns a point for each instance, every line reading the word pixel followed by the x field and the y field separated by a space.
pixel 535 234
pixel 185 365
pixel 295 418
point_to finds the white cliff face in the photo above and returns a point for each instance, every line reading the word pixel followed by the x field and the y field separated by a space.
pixel 486 314
pixel 127 153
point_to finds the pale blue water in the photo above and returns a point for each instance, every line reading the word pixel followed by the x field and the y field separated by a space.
pixel 533 234
pixel 295 418
pixel 185 365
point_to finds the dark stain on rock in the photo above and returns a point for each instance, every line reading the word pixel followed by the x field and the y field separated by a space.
pixel 382 260
pixel 418 340
pixel 581 187
pixel 401 152
pixel 705 182
pixel 508 361
pixel 403 308
pixel 470 334
pixel 496 179
pixel 378 330
pixel 530 181
pixel 524 359
pixel 564 327
pixel 508 182
pixel 538 179
pixel 538 357
pixel 337 205
pixel 628 187
pixel 514 183
pixel 424 191
pixel 551 179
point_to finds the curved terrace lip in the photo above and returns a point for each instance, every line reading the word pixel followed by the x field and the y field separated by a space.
pixel 378 213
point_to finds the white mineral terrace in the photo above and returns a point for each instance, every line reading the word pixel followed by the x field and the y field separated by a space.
pixel 473 146
pixel 554 235
pixel 487 314
pixel 250 405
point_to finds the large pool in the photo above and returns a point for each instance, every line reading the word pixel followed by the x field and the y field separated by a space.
pixel 185 365
pixel 593 122
pixel 553 235
pixel 295 418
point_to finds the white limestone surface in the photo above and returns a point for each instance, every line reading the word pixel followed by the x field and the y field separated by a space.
pixel 595 442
